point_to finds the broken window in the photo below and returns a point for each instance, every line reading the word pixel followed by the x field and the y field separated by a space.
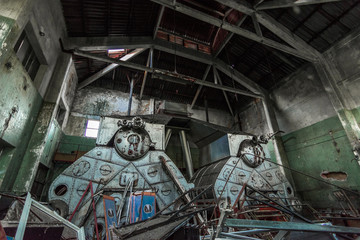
pixel 92 128
pixel 26 54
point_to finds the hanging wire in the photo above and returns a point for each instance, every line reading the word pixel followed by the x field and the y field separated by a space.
pixel 307 175
pixel 269 67
pixel 232 70
pixel 175 70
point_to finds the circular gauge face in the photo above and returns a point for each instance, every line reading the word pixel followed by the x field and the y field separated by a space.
pixel 80 168
pixel 252 154
pixel 132 143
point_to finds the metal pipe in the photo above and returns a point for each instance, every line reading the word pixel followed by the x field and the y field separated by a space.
pixel 206 110
pixel 167 136
pixel 290 226
pixel 187 154
pixel 149 63
pixel 237 236
pixel 131 94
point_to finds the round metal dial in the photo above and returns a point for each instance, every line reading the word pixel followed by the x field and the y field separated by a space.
pixel 132 143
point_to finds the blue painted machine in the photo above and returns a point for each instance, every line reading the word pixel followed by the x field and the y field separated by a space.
pixel 128 158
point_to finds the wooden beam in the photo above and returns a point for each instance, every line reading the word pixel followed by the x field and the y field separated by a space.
pixel 289 3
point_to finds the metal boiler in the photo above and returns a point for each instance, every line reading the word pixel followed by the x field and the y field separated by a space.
pixel 245 165
pixel 128 157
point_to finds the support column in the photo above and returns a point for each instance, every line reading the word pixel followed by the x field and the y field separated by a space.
pixel 187 154
pixel 281 157
pixel 329 76
pixel 167 136
pixel 130 95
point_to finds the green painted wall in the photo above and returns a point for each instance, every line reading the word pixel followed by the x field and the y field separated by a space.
pixel 69 144
pixel 321 147
pixel 20 104
pixel 42 145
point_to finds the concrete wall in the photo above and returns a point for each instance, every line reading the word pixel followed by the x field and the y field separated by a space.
pixel 91 102
pixel 28 128
pixel 314 140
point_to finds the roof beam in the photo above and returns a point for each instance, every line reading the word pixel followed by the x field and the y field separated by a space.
pixel 161 12
pixel 256 25
pixel 286 35
pixel 289 3
pixel 149 63
pixel 109 68
pixel 105 43
pixel 229 36
pixel 245 7
pixel 165 75
pixel 180 80
pixel 230 27
pixel 279 30
pixel 200 87
pixel 216 76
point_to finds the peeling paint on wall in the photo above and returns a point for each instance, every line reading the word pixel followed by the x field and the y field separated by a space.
pixel 335 176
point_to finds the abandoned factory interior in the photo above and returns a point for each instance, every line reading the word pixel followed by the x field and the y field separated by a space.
pixel 179 119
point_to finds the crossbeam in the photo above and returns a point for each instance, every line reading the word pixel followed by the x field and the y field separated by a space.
pixel 231 28
pixel 91 44
pixel 289 3
pixel 165 75
pixel 275 27
pixel 109 68
pixel 191 80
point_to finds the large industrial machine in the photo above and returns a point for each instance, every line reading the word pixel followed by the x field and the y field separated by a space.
pixel 129 157
pixel 128 185
pixel 245 167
